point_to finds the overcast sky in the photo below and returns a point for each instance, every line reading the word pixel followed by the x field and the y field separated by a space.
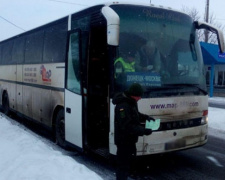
pixel 17 16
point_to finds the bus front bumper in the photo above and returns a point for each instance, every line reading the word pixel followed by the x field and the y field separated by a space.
pixel 172 140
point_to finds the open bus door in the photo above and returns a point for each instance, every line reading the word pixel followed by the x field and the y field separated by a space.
pixel 73 98
pixel 97 120
pixel 87 96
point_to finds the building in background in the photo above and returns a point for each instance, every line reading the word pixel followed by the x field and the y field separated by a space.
pixel 215 68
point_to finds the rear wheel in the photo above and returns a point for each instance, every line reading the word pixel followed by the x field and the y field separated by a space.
pixel 60 129
pixel 5 104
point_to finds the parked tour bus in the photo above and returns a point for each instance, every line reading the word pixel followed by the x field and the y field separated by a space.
pixel 63 75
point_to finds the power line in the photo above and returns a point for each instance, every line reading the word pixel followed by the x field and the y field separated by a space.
pixel 12 23
pixel 48 0
pixel 69 3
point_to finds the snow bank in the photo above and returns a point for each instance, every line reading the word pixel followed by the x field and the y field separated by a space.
pixel 25 156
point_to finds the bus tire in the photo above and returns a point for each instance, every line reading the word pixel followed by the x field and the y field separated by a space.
pixel 60 129
pixel 5 104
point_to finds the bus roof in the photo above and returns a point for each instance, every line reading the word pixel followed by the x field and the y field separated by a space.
pixel 136 3
pixel 142 4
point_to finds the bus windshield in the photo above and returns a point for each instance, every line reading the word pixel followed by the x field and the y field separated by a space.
pixel 159 49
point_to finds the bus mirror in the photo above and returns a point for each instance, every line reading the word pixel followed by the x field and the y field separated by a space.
pixel 113 24
pixel 219 33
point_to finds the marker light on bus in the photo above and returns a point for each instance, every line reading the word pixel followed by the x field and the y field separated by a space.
pixel 204 117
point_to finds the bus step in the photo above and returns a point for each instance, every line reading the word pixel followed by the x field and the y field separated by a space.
pixel 102 152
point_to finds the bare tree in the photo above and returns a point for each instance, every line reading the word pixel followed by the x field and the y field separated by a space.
pixel 191 12
pixel 194 13
pixel 212 37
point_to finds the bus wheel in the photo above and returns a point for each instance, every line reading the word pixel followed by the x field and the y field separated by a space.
pixel 60 129
pixel 5 104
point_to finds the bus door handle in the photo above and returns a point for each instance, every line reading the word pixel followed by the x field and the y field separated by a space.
pixel 68 110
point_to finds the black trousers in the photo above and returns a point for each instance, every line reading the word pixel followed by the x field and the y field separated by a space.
pixel 125 156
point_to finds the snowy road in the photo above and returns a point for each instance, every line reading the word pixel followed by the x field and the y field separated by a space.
pixel 25 155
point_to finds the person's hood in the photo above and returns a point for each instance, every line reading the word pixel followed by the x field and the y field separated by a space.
pixel 122 97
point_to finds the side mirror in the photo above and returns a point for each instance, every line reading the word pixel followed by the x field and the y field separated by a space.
pixel 220 38
pixel 113 25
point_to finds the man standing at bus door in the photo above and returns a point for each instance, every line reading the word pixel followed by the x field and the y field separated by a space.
pixel 128 127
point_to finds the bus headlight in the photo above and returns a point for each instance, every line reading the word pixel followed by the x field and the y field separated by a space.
pixel 204 119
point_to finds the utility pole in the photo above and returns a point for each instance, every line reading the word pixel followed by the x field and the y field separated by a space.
pixel 207 20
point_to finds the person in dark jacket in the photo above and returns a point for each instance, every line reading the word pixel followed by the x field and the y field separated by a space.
pixel 128 127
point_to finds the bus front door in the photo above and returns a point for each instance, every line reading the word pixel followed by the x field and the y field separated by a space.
pixel 73 98
pixel 97 120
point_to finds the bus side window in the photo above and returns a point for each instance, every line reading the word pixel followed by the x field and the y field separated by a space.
pixel 7 52
pixel 55 43
pixel 18 50
pixel 34 47
pixel 73 74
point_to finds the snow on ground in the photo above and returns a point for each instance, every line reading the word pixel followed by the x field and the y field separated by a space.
pixel 216 122
pixel 217 100
pixel 217 118
pixel 26 156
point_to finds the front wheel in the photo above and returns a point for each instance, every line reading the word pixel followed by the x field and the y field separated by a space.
pixel 60 129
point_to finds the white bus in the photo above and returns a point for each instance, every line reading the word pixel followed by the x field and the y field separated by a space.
pixel 62 75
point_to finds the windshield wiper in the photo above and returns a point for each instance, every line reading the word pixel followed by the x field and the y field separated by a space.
pixel 192 47
pixel 189 85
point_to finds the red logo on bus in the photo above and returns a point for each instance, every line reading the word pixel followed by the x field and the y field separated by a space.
pixel 45 74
